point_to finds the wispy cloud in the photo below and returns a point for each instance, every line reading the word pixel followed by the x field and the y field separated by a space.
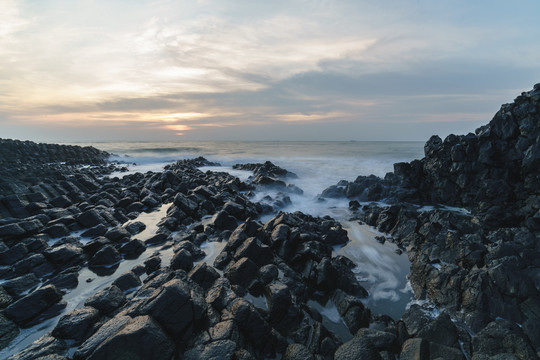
pixel 194 67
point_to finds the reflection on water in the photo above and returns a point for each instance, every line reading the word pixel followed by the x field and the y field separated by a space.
pixel 380 270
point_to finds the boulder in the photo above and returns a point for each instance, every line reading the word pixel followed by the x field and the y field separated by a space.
pixel 27 309
pixel 250 322
pixel 64 255
pixel 415 349
pixel 242 272
pixel 182 259
pixel 220 349
pixel 77 324
pixel 128 281
pixel 105 257
pixel 171 305
pixel 132 249
pixel 224 221
pixel 13 254
pixel 45 348
pixel 297 352
pixel 135 227
pixel 8 331
pixel 107 300
pixel 141 338
pixel 35 263
pixel 203 275
pixel 357 349
pixel 18 286
pixel 107 330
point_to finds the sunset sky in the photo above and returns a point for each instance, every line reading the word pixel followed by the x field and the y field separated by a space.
pixel 93 70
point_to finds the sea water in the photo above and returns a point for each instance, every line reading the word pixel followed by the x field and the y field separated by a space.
pixel 381 269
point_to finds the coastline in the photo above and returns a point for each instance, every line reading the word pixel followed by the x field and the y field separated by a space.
pixel 481 269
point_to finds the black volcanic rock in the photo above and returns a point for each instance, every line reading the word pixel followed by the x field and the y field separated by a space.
pixel 267 169
pixel 494 172
pixel 26 309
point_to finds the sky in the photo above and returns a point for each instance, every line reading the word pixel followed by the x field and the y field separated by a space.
pixel 131 70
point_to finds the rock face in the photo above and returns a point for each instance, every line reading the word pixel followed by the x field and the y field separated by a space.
pixel 494 172
pixel 479 263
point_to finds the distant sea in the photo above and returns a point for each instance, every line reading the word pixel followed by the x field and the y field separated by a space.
pixel 318 164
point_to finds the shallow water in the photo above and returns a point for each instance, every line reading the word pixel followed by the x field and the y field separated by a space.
pixel 381 270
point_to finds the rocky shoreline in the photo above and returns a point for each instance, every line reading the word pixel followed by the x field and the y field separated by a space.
pixel 61 211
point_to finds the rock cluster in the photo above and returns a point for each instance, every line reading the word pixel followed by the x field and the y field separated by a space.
pixel 479 263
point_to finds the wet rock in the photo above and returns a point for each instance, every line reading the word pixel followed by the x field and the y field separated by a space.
pixel 135 227
pixel 35 263
pixel 217 295
pixel 254 250
pixel 77 324
pixel 279 301
pixel 224 221
pixel 128 281
pixel 13 254
pixel 19 286
pixel 106 331
pixel 172 306
pixel 44 348
pixel 95 245
pixel 441 331
pixel 352 310
pixel 438 351
pixel 95 231
pixel 65 255
pixel 500 337
pixel 67 279
pixel 152 264
pixel 106 256
pixel 357 349
pixel 132 249
pixel 382 340
pixel 185 204
pixel 117 234
pixel 156 239
pixel 8 331
pixel 242 272
pixel 30 307
pixel 141 338
pixel 250 322
pixel 220 349
pixel 203 275
pixel 10 231
pixel 531 328
pixel 57 230
pixel 107 300
pixel 346 280
pixel 182 260
pixel 268 273
pixel 5 298
pixel 415 349
pixel 415 319
pixel 297 352
pixel 90 218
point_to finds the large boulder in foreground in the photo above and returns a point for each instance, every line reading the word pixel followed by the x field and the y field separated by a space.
pixel 30 307
pixel 140 339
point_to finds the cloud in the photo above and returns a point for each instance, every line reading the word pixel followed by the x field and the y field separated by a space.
pixel 215 65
